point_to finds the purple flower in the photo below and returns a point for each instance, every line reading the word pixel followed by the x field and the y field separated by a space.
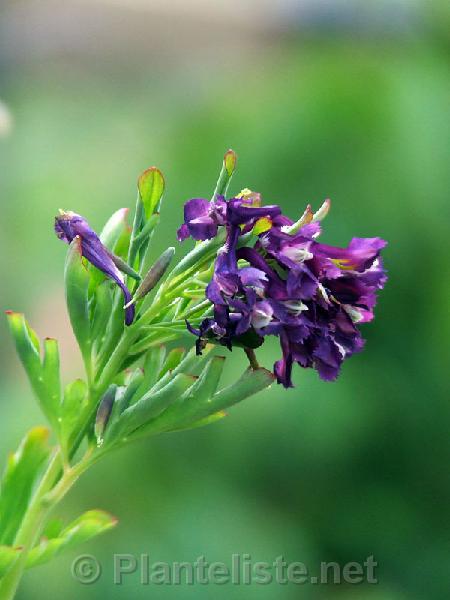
pixel 310 295
pixel 69 225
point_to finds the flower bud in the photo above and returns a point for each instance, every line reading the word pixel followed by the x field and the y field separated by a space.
pixel 229 161
pixel 104 412
pixel 153 276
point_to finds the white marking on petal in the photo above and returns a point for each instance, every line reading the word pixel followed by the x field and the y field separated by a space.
pixel 322 212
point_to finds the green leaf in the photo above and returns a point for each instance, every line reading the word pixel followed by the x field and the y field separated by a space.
pixel 202 253
pixel 44 377
pixel 75 401
pixel 251 382
pixel 27 346
pixel 76 278
pixel 151 188
pixel 87 526
pixel 150 405
pixel 22 472
pixel 198 405
pixel 218 416
pixel 195 403
pixel 172 361
pixel 102 311
pixel 52 380
pixel 154 360
pixel 191 364
pixel 113 228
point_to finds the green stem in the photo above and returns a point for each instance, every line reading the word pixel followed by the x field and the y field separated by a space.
pixel 30 529
pixel 51 490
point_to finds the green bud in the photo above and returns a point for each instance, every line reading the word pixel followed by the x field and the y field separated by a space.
pixel 154 275
pixel 124 266
pixel 103 413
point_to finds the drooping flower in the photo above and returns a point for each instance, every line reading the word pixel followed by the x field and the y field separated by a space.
pixel 285 284
pixel 68 226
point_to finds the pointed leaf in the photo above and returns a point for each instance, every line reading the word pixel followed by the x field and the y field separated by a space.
pixel 172 361
pixel 52 380
pixel 73 406
pixel 150 405
pixel 195 403
pixel 87 526
pixel 153 363
pixel 22 471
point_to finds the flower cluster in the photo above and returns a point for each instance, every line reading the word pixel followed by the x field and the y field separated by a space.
pixel 272 277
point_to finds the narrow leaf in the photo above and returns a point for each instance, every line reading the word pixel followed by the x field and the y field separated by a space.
pixel 22 471
pixel 74 403
pixel 87 526
pixel 150 405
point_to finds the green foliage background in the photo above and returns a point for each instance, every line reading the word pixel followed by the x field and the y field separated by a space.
pixel 324 472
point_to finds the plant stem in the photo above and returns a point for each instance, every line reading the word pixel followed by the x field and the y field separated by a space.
pixel 30 528
pixel 51 490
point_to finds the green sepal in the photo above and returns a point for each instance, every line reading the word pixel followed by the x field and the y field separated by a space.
pixel 88 525
pixel 21 474
pixel 151 188
pixel 76 278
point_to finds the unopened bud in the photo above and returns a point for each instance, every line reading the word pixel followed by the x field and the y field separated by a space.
pixel 104 412
pixel 124 266
pixel 229 161
pixel 154 275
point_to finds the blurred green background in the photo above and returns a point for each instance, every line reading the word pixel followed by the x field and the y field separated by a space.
pixel 347 100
